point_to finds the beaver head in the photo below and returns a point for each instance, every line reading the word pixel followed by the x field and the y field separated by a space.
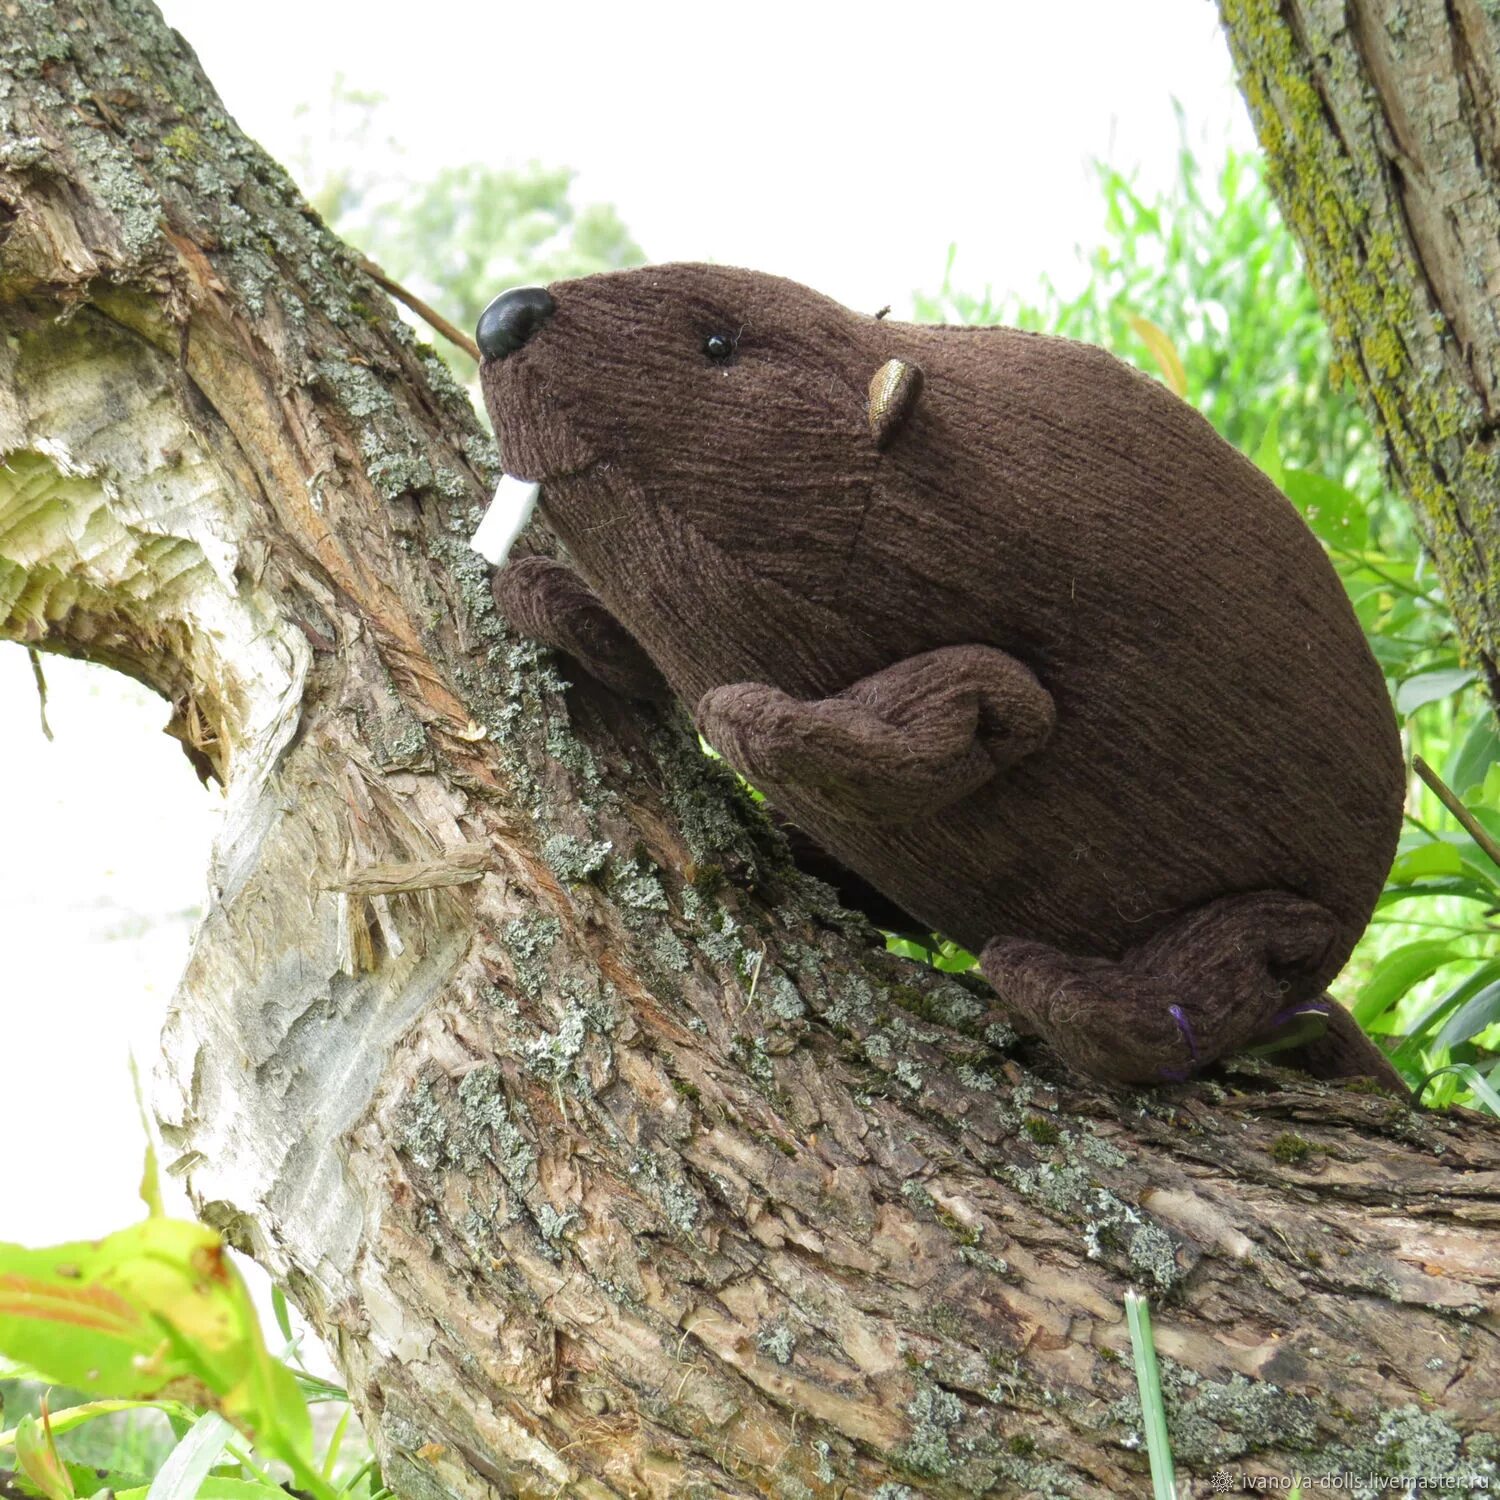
pixel 719 417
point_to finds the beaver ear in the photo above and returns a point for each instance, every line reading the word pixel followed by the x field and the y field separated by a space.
pixel 894 390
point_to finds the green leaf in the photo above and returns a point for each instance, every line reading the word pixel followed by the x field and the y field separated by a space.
pixel 90 1481
pixel 219 1487
pixel 1471 763
pixel 1418 1038
pixel 1424 862
pixel 1334 514
pixel 36 1453
pixel 279 1311
pixel 952 959
pixel 188 1463
pixel 1430 687
pixel 153 1309
pixel 1471 1075
pixel 1489 793
pixel 1473 1016
pixel 86 1411
pixel 1268 454
pixel 1397 972
pixel 1477 862
pixel 1449 855
pixel 1453 885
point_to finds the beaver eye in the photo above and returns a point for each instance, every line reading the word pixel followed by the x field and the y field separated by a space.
pixel 719 347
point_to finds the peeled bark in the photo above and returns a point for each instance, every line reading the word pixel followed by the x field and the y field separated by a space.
pixel 609 1154
pixel 1380 121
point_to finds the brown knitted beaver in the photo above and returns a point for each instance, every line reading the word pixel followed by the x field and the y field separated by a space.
pixel 999 621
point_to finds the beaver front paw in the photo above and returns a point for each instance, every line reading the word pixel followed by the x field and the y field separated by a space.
pixel 547 601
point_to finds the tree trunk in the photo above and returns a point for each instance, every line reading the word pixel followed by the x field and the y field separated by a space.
pixel 1380 121
pixel 609 1155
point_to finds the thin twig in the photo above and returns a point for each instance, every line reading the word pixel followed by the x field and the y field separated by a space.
pixel 755 975
pixel 41 688
pixel 1454 803
pixel 423 310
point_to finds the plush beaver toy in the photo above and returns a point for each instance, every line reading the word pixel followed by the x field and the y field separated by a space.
pixel 999 621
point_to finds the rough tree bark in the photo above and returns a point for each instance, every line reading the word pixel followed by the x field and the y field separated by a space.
pixel 1380 121
pixel 610 1156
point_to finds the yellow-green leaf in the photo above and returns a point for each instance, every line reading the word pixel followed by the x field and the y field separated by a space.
pixel 150 1171
pixel 1161 349
pixel 37 1455
pixel 155 1310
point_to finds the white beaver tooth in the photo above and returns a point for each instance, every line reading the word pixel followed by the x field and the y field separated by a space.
pixel 503 522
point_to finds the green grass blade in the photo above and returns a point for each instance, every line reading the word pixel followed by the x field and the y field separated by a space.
pixel 279 1310
pixel 188 1464
pixel 1483 1091
pixel 363 1472
pixel 75 1416
pixel 336 1443
pixel 314 1388
pixel 1148 1381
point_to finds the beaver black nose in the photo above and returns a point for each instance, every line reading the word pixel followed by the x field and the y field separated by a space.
pixel 511 319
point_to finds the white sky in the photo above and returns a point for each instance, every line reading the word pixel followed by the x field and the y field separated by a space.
pixel 844 145
pixel 105 842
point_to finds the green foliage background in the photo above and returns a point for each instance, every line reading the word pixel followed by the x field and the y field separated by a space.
pixel 1202 286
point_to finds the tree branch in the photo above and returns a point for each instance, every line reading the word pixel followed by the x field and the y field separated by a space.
pixel 1379 126
pixel 634 1166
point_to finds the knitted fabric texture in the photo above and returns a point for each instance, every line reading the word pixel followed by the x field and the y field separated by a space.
pixel 1028 647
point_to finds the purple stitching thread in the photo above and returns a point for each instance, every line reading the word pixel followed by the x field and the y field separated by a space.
pixel 1186 1028
pixel 1180 1075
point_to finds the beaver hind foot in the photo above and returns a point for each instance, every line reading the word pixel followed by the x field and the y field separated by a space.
pixel 1226 975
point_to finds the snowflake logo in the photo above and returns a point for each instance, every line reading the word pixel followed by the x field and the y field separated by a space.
pixel 1222 1481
